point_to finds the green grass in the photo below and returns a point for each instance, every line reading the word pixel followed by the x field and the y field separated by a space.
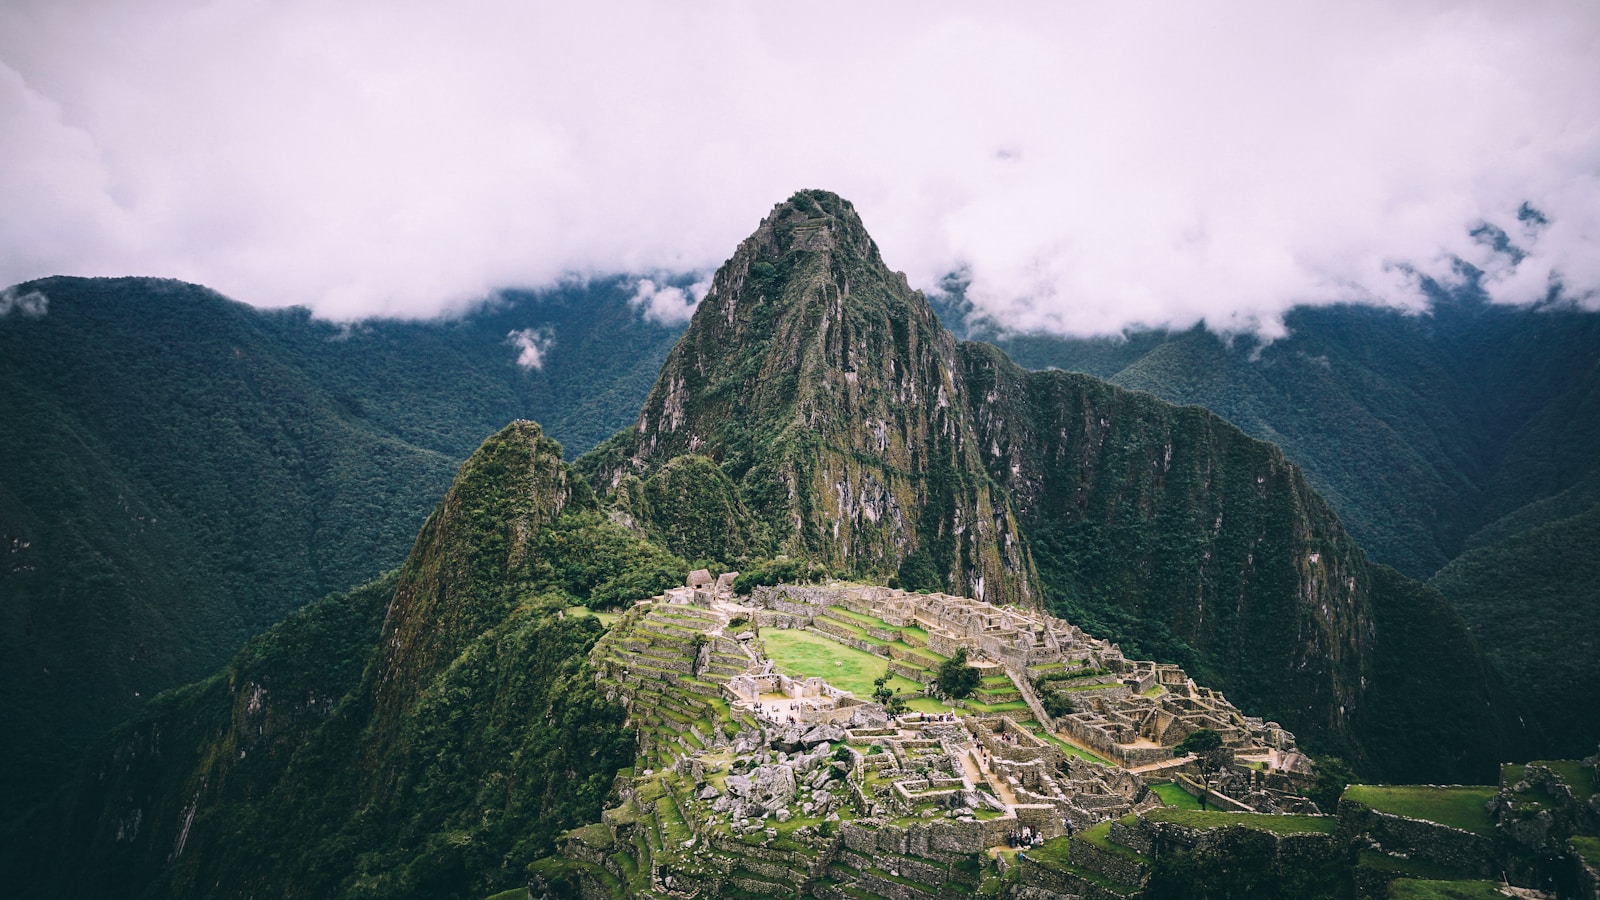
pixel 1578 778
pixel 1055 853
pixel 1037 730
pixel 1175 797
pixel 1457 807
pixel 862 620
pixel 802 653
pixel 1008 706
pixel 1415 889
pixel 1588 848
pixel 1194 818
pixel 930 705
pixel 1100 836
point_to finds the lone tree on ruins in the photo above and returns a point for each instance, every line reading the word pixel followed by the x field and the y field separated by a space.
pixel 956 678
pixel 1206 744
pixel 889 697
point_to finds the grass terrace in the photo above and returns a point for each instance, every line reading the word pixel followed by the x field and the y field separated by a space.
pixel 1416 889
pixel 1578 778
pixel 1588 848
pixel 800 653
pixel 1037 730
pixel 1455 806
pixel 1175 797
pixel 1194 818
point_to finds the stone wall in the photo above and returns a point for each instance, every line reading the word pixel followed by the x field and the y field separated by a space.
pixel 1419 838
pixel 1113 865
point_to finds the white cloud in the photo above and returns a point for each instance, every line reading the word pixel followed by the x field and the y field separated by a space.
pixel 29 304
pixel 668 304
pixel 532 344
pixel 1090 166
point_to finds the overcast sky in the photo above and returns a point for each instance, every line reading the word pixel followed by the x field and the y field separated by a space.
pixel 1087 166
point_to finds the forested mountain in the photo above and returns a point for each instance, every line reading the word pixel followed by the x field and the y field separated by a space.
pixel 181 470
pixel 429 734
pixel 1458 445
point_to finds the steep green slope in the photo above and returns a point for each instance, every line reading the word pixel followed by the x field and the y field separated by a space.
pixel 1533 590
pixel 179 471
pixel 827 391
pixel 427 735
pixel 1434 436
pixel 1169 529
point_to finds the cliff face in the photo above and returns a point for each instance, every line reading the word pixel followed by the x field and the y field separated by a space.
pixel 827 390
pixel 1169 527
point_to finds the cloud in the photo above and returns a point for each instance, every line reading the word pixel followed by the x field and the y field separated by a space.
pixel 1087 166
pixel 668 304
pixel 532 344
pixel 31 304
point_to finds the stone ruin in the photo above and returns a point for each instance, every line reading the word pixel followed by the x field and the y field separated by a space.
pixel 701 590
pixel 803 747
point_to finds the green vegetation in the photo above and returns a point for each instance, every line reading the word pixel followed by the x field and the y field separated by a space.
pixel 1176 797
pixel 182 470
pixel 777 571
pixel 1333 776
pixel 956 678
pixel 1418 889
pixel 1259 821
pixel 436 758
pixel 798 653
pixel 1457 807
pixel 1587 847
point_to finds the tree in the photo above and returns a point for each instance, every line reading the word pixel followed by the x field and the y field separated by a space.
pixel 1333 776
pixel 1056 704
pixel 891 699
pixel 1206 744
pixel 956 678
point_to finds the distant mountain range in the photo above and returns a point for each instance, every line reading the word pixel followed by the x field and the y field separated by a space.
pixel 181 470
pixel 1461 446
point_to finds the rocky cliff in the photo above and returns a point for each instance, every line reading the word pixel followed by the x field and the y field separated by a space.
pixel 827 390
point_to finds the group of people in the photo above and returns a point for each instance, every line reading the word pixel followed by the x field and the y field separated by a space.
pixel 1023 837
pixel 774 716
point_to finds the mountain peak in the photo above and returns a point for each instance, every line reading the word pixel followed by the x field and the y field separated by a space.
pixel 812 370
pixel 816 220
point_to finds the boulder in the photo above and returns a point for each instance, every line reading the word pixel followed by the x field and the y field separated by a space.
pixel 739 785
pixel 873 716
pixel 827 731
pixel 773 786
pixel 789 741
